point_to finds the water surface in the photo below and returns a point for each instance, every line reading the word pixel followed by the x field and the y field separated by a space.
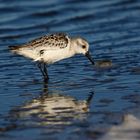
pixel 80 101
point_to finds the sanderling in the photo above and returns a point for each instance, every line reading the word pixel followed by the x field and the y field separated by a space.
pixel 52 48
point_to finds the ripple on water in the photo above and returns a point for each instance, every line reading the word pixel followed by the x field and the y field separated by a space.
pixel 66 108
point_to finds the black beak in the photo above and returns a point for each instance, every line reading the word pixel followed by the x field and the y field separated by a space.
pixel 89 57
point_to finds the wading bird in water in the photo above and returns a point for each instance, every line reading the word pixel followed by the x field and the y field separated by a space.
pixel 52 48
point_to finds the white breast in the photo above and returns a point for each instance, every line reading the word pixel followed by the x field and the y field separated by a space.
pixel 51 56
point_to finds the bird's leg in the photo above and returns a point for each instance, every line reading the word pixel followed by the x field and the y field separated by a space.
pixel 45 71
pixel 40 67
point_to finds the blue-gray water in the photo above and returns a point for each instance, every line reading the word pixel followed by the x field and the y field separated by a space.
pixel 80 101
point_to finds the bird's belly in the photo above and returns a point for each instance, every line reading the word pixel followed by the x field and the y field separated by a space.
pixel 54 56
pixel 48 56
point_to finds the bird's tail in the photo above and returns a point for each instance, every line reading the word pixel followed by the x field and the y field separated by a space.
pixel 14 49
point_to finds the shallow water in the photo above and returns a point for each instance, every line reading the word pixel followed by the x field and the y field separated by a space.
pixel 80 101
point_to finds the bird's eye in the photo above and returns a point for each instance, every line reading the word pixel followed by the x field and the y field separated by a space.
pixel 83 46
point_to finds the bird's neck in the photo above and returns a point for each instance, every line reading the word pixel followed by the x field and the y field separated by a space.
pixel 73 46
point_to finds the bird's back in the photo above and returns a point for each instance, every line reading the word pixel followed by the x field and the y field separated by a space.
pixel 58 40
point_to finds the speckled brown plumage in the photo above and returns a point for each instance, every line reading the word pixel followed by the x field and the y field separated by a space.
pixel 54 40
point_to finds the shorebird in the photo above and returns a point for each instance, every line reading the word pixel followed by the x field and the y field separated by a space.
pixel 52 48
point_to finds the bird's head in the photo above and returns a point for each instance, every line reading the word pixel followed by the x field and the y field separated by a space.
pixel 82 47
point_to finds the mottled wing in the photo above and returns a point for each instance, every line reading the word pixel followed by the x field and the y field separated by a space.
pixel 49 42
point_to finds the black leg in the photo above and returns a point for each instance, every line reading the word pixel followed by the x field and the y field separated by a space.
pixel 40 67
pixel 43 70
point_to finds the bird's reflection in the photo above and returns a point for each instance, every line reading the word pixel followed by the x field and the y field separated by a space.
pixel 52 109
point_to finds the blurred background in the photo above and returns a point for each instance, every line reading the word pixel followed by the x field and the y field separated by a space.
pixel 80 101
